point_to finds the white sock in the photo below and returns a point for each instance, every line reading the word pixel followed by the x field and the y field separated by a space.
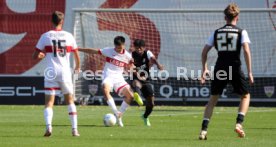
pixel 241 113
pixel 123 107
pixel 48 116
pixel 111 104
pixel 72 110
pixel 206 119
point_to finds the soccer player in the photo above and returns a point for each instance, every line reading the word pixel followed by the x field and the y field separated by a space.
pixel 117 59
pixel 55 46
pixel 143 60
pixel 228 41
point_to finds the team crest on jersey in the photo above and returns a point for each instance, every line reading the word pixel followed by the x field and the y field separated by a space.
pixel 93 89
pixel 269 90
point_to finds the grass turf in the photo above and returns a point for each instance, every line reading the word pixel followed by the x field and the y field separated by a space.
pixel 171 126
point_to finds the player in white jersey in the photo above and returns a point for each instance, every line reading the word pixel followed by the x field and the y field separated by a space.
pixel 55 46
pixel 117 58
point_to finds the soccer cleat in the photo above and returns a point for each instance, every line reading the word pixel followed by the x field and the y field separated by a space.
pixel 75 133
pixel 48 132
pixel 146 121
pixel 138 99
pixel 119 116
pixel 239 131
pixel 202 135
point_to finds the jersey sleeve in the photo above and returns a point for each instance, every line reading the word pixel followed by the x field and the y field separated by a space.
pixel 211 39
pixel 149 54
pixel 40 44
pixel 74 44
pixel 105 51
pixel 245 37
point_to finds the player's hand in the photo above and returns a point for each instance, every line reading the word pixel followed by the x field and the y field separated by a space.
pixel 131 49
pixel 205 73
pixel 160 67
pixel 77 70
pixel 41 55
pixel 251 79
pixel 142 78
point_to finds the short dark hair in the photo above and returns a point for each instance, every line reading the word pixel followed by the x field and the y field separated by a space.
pixel 119 40
pixel 139 43
pixel 57 17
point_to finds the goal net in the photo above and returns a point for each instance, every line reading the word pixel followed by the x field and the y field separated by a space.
pixel 176 38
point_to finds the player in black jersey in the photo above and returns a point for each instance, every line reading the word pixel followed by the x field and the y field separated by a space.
pixel 228 41
pixel 143 60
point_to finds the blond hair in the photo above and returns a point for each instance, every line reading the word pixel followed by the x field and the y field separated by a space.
pixel 231 11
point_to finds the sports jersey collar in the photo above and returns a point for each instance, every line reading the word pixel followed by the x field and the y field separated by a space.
pixel 57 29
pixel 230 25
pixel 120 53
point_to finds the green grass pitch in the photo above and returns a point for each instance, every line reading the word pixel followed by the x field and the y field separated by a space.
pixel 171 126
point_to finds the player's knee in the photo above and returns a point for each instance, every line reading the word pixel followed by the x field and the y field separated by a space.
pixel 106 92
pixel 69 99
pixel 245 96
pixel 136 83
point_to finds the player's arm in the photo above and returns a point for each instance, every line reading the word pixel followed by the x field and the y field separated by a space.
pixel 90 50
pixel 77 60
pixel 205 50
pixel 130 65
pixel 155 61
pixel 38 54
pixel 247 57
pixel 204 54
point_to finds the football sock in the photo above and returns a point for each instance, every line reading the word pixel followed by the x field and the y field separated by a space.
pixel 48 116
pixel 240 118
pixel 205 123
pixel 111 104
pixel 148 111
pixel 72 110
pixel 123 107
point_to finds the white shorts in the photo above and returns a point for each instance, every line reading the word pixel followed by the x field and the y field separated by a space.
pixel 55 87
pixel 117 83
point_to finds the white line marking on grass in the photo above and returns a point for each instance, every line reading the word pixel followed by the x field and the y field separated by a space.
pixel 200 113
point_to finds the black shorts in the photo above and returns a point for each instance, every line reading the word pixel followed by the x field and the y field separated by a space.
pixel 238 81
pixel 147 88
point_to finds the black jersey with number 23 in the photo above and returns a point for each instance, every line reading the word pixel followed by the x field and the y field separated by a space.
pixel 227 41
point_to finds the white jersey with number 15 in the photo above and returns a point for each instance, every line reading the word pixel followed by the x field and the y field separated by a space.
pixel 57 45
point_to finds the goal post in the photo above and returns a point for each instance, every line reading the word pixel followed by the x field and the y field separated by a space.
pixel 176 37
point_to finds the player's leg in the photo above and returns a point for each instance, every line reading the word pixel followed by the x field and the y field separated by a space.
pixel 148 92
pixel 50 91
pixel 106 86
pixel 208 112
pixel 240 86
pixel 127 92
pixel 48 113
pixel 137 85
pixel 217 87
pixel 67 90
pixel 123 89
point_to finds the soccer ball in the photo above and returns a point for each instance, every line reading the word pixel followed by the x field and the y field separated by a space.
pixel 109 120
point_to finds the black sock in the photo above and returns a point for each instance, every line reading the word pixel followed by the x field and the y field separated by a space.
pixel 204 125
pixel 240 118
pixel 138 90
pixel 148 111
